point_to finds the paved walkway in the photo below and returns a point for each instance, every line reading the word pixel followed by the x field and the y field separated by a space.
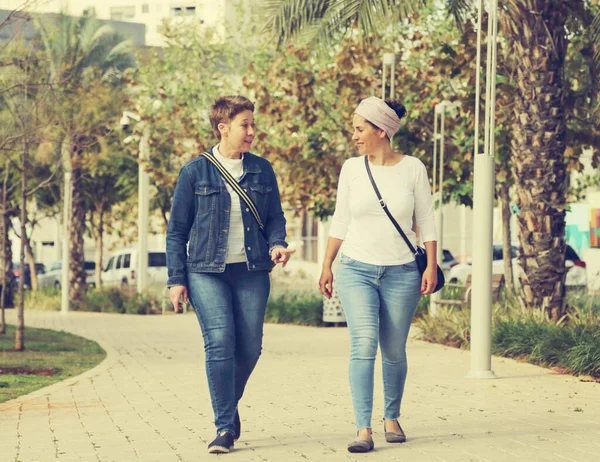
pixel 149 401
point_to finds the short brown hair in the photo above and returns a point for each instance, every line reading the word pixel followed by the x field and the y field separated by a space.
pixel 226 108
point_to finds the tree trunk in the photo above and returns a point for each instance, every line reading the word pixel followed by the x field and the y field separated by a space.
pixel 539 44
pixel 3 269
pixel 20 333
pixel 31 263
pixel 99 248
pixel 163 213
pixel 6 276
pixel 76 257
pixel 506 239
pixel 6 295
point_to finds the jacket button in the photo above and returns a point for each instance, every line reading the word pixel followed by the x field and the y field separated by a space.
pixel 245 190
pixel 247 209
pixel 248 228
pixel 253 266
pixel 249 248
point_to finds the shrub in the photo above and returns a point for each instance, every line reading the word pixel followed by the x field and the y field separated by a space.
pixel 449 327
pixel 572 344
pixel 118 300
pixel 43 300
pixel 105 300
pixel 303 308
pixel 447 293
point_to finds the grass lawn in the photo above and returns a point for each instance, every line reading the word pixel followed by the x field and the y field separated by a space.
pixel 49 357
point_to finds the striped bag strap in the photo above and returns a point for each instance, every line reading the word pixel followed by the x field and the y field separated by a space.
pixel 236 187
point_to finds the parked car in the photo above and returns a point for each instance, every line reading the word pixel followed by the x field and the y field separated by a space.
pixel 448 262
pixel 40 269
pixel 53 277
pixel 576 278
pixel 122 267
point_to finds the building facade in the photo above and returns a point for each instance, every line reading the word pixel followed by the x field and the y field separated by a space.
pixel 150 13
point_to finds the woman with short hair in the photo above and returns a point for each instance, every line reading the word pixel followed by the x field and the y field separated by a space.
pixel 226 232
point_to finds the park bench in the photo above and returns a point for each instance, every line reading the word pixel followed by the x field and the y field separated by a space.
pixel 465 300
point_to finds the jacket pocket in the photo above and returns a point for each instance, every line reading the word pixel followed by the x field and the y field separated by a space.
pixel 260 195
pixel 206 197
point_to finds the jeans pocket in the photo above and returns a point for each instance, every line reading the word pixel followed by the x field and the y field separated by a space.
pixel 345 260
pixel 412 266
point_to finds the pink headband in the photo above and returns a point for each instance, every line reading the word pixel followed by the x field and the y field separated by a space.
pixel 376 111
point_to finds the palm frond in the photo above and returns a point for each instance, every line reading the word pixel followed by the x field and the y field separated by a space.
pixel 322 21
pixel 79 47
pixel 594 29
pixel 99 35
pixel 459 10
pixel 285 19
pixel 48 50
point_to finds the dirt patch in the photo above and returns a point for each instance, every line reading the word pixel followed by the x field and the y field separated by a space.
pixel 43 372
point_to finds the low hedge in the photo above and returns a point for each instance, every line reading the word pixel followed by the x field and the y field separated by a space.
pixel 295 307
pixel 572 344
pixel 104 300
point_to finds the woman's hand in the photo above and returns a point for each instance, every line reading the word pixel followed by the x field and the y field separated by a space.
pixel 281 255
pixel 176 294
pixel 429 280
pixel 326 281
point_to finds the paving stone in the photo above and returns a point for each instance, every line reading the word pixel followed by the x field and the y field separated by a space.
pixel 149 401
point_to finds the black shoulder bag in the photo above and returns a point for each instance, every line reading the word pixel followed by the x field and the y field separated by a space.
pixel 238 189
pixel 419 252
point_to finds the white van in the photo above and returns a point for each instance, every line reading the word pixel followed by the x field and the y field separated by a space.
pixel 53 276
pixel 122 267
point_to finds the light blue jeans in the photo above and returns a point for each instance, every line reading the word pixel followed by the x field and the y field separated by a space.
pixel 230 307
pixel 379 303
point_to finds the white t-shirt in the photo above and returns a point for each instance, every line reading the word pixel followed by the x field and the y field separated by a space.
pixel 236 252
pixel 368 234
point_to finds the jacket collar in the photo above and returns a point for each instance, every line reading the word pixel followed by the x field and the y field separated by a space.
pixel 250 164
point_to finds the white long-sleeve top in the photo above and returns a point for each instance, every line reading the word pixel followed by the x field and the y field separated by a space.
pixel 368 234
pixel 236 252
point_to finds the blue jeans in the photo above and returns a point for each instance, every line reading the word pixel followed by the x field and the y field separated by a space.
pixel 379 303
pixel 230 307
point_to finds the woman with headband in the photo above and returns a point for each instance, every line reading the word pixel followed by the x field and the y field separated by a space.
pixel 379 282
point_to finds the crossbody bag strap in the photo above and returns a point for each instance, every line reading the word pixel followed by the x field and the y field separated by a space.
pixel 228 177
pixel 386 210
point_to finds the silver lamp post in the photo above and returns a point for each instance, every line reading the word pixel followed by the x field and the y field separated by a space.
pixel 66 240
pixel 438 138
pixel 483 204
pixel 143 202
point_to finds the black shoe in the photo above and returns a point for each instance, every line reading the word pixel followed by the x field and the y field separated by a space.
pixel 361 446
pixel 238 426
pixel 394 437
pixel 222 444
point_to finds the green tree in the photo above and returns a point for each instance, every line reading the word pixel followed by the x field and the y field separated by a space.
pixel 24 104
pixel 85 57
pixel 110 180
pixel 537 36
pixel 172 91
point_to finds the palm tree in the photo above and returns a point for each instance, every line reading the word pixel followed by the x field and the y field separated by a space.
pixel 538 36
pixel 80 50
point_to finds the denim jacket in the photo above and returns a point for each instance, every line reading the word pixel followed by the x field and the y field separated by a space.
pixel 200 218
